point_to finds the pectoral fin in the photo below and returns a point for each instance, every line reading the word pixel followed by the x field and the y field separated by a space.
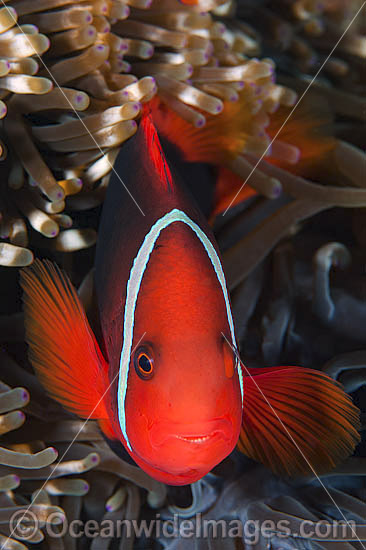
pixel 297 421
pixel 62 347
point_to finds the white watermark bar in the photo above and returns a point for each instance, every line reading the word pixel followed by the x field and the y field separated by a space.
pixel 24 525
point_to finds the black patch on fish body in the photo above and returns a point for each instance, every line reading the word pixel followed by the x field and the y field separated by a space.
pixel 198 177
pixel 119 450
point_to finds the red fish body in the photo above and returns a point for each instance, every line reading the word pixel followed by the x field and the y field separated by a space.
pixel 165 381
pixel 188 414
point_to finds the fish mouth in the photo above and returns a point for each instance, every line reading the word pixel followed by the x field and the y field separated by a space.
pixel 194 434
pixel 198 440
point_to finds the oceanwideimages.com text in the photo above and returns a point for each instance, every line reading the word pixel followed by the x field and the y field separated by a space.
pixel 24 525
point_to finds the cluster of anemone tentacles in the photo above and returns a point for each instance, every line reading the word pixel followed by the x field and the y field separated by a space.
pixel 75 77
pixel 301 35
pixel 54 469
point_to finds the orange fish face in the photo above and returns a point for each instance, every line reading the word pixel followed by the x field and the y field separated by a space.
pixel 183 417
pixel 181 409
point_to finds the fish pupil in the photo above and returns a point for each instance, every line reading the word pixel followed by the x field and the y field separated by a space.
pixel 145 363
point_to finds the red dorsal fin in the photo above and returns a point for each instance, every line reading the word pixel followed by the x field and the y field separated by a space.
pixel 310 130
pixel 219 141
pixel 62 346
pixel 226 136
pixel 297 420
pixel 229 191
pixel 155 150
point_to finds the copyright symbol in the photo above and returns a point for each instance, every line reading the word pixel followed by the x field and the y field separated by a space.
pixel 23 524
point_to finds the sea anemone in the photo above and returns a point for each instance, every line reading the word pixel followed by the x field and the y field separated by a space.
pixel 289 217
pixel 305 36
pixel 206 76
pixel 40 483
pixel 19 43
pixel 71 134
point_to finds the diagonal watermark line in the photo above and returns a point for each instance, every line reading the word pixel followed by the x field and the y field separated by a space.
pixel 296 106
pixel 67 450
pixel 74 110
pixel 294 442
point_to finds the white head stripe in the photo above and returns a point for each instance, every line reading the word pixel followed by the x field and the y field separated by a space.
pixel 133 287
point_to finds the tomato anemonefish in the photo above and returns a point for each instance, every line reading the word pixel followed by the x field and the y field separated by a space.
pixel 167 384
pixel 164 379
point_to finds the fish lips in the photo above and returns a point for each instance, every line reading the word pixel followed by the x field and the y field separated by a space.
pixel 197 435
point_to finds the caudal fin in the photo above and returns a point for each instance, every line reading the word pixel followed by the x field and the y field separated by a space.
pixel 62 346
pixel 297 421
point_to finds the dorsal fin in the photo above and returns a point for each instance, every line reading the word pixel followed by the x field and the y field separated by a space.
pixel 155 150
pixel 219 141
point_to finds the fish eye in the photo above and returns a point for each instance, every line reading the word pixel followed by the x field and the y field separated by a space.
pixel 229 358
pixel 144 363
